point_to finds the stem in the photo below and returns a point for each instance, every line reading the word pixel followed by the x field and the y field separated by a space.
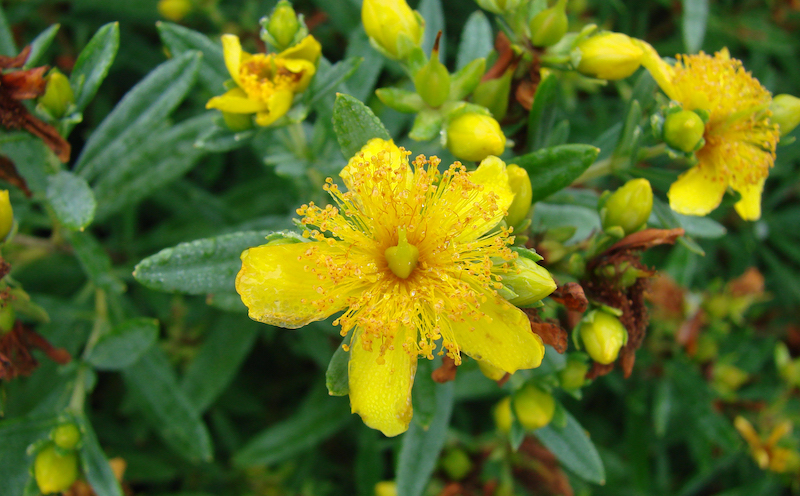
pixel 610 165
pixel 78 398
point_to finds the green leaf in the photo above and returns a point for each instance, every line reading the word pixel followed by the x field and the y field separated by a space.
pixel 477 39
pixel 574 449
pixel 7 45
pixel 669 220
pixel 695 18
pixel 72 200
pixel 93 64
pixel 17 435
pixel 31 157
pixel 420 449
pixel 423 394
pixel 631 135
pixel 542 116
pixel 124 344
pixel 369 464
pixel 432 12
pixel 210 371
pixel 40 44
pixel 336 377
pixel 361 84
pixel 179 40
pixel 198 267
pixel 94 260
pixel 142 109
pixel 166 406
pixel 318 418
pixel 662 407
pixel 553 169
pixel 163 157
pixel 550 216
pixel 427 125
pixel 325 82
pixel 94 462
pixel 701 227
pixel 355 124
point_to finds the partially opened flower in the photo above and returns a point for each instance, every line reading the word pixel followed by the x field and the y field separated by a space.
pixel 412 256
pixel 739 138
pixel 266 83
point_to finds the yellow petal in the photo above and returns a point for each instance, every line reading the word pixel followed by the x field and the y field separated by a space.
pixel 233 54
pixel 278 290
pixel 236 101
pixel 492 175
pixel 503 337
pixel 308 49
pixel 276 107
pixel 749 207
pixel 662 72
pixel 697 191
pixel 381 392
pixel 361 162
pixel 303 67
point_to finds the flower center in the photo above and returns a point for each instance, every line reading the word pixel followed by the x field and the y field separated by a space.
pixel 403 258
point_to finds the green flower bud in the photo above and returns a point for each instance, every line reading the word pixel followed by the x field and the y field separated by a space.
pixel 456 464
pixel 491 371
pixel 785 113
pixel 6 215
pixel 400 100
pixel 531 282
pixel 174 10
pixel 603 335
pixel 57 94
pixel 283 24
pixel 550 25
pixel 432 81
pixel 573 376
pixel 534 407
pixel 502 415
pixel 629 207
pixel 393 28
pixel 498 6
pixel 684 130
pixel 8 316
pixel 55 473
pixel 473 136
pixel 521 186
pixel 66 436
pixel 609 56
pixel 493 94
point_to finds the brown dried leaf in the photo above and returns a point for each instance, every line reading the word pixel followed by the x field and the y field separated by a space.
pixel 24 85
pixel 15 62
pixel 571 295
pixel 8 173
pixel 645 239
pixel 445 373
pixel 749 283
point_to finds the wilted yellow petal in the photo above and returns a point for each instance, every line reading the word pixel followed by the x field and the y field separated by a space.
pixel 236 101
pixel 303 67
pixel 233 54
pixel 697 191
pixel 660 70
pixel 308 49
pixel 749 207
pixel 276 107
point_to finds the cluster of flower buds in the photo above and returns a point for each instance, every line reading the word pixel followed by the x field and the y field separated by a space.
pixel 284 27
pixel 56 465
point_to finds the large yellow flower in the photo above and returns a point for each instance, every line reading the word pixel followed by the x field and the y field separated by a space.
pixel 740 141
pixel 266 83
pixel 412 256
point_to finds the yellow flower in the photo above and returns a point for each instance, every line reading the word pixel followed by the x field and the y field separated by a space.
pixel 407 253
pixel 740 140
pixel 392 27
pixel 767 454
pixel 266 83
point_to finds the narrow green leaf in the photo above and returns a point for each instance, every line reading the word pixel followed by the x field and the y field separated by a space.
pixel 423 394
pixel 355 124
pixel 581 219
pixel 94 463
pixel 31 157
pixel 318 418
pixel 574 449
pixel 179 40
pixel 433 13
pixel 629 138
pixel 326 82
pixel 198 267
pixel 662 407
pixel 477 39
pixel 695 18
pixel 211 371
pixel 701 227
pixel 72 200
pixel 166 406
pixel 369 464
pixel 40 44
pixel 420 449
pixel 95 261
pixel 669 220
pixel 542 116
pixel 336 377
pixel 132 121
pixel 93 64
pixel 124 344
pixel 362 83
pixel 15 462
pixel 7 45
pixel 553 169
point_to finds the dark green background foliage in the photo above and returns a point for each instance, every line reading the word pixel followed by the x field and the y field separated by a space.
pixel 200 400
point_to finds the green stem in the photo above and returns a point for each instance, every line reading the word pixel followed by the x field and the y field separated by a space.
pixel 78 398
pixel 610 165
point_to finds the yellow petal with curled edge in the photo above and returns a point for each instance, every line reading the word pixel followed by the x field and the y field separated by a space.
pixel 502 337
pixel 236 101
pixel 278 290
pixel 492 175
pixel 379 149
pixel 233 54
pixel 277 105
pixel 307 49
pixel 303 67
pixel 662 72
pixel 697 191
pixel 380 386
pixel 749 207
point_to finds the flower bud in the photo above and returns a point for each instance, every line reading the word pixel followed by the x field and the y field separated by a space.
pixel 603 335
pixel 8 316
pixel 6 215
pixel 66 436
pixel 502 415
pixel 490 371
pixel 521 187
pixel 684 130
pixel 473 136
pixel 609 56
pixel 534 407
pixel 283 24
pixel 629 207
pixel 456 464
pixel 432 80
pixel 550 25
pixel 174 10
pixel 55 473
pixel 531 282
pixel 386 488
pixel 785 113
pixel 57 94
pixel 498 6
pixel 493 94
pixel 392 27
pixel 573 376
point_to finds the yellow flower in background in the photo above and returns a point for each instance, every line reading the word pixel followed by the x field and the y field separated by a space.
pixel 739 138
pixel 767 454
pixel 266 83
pixel 411 256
